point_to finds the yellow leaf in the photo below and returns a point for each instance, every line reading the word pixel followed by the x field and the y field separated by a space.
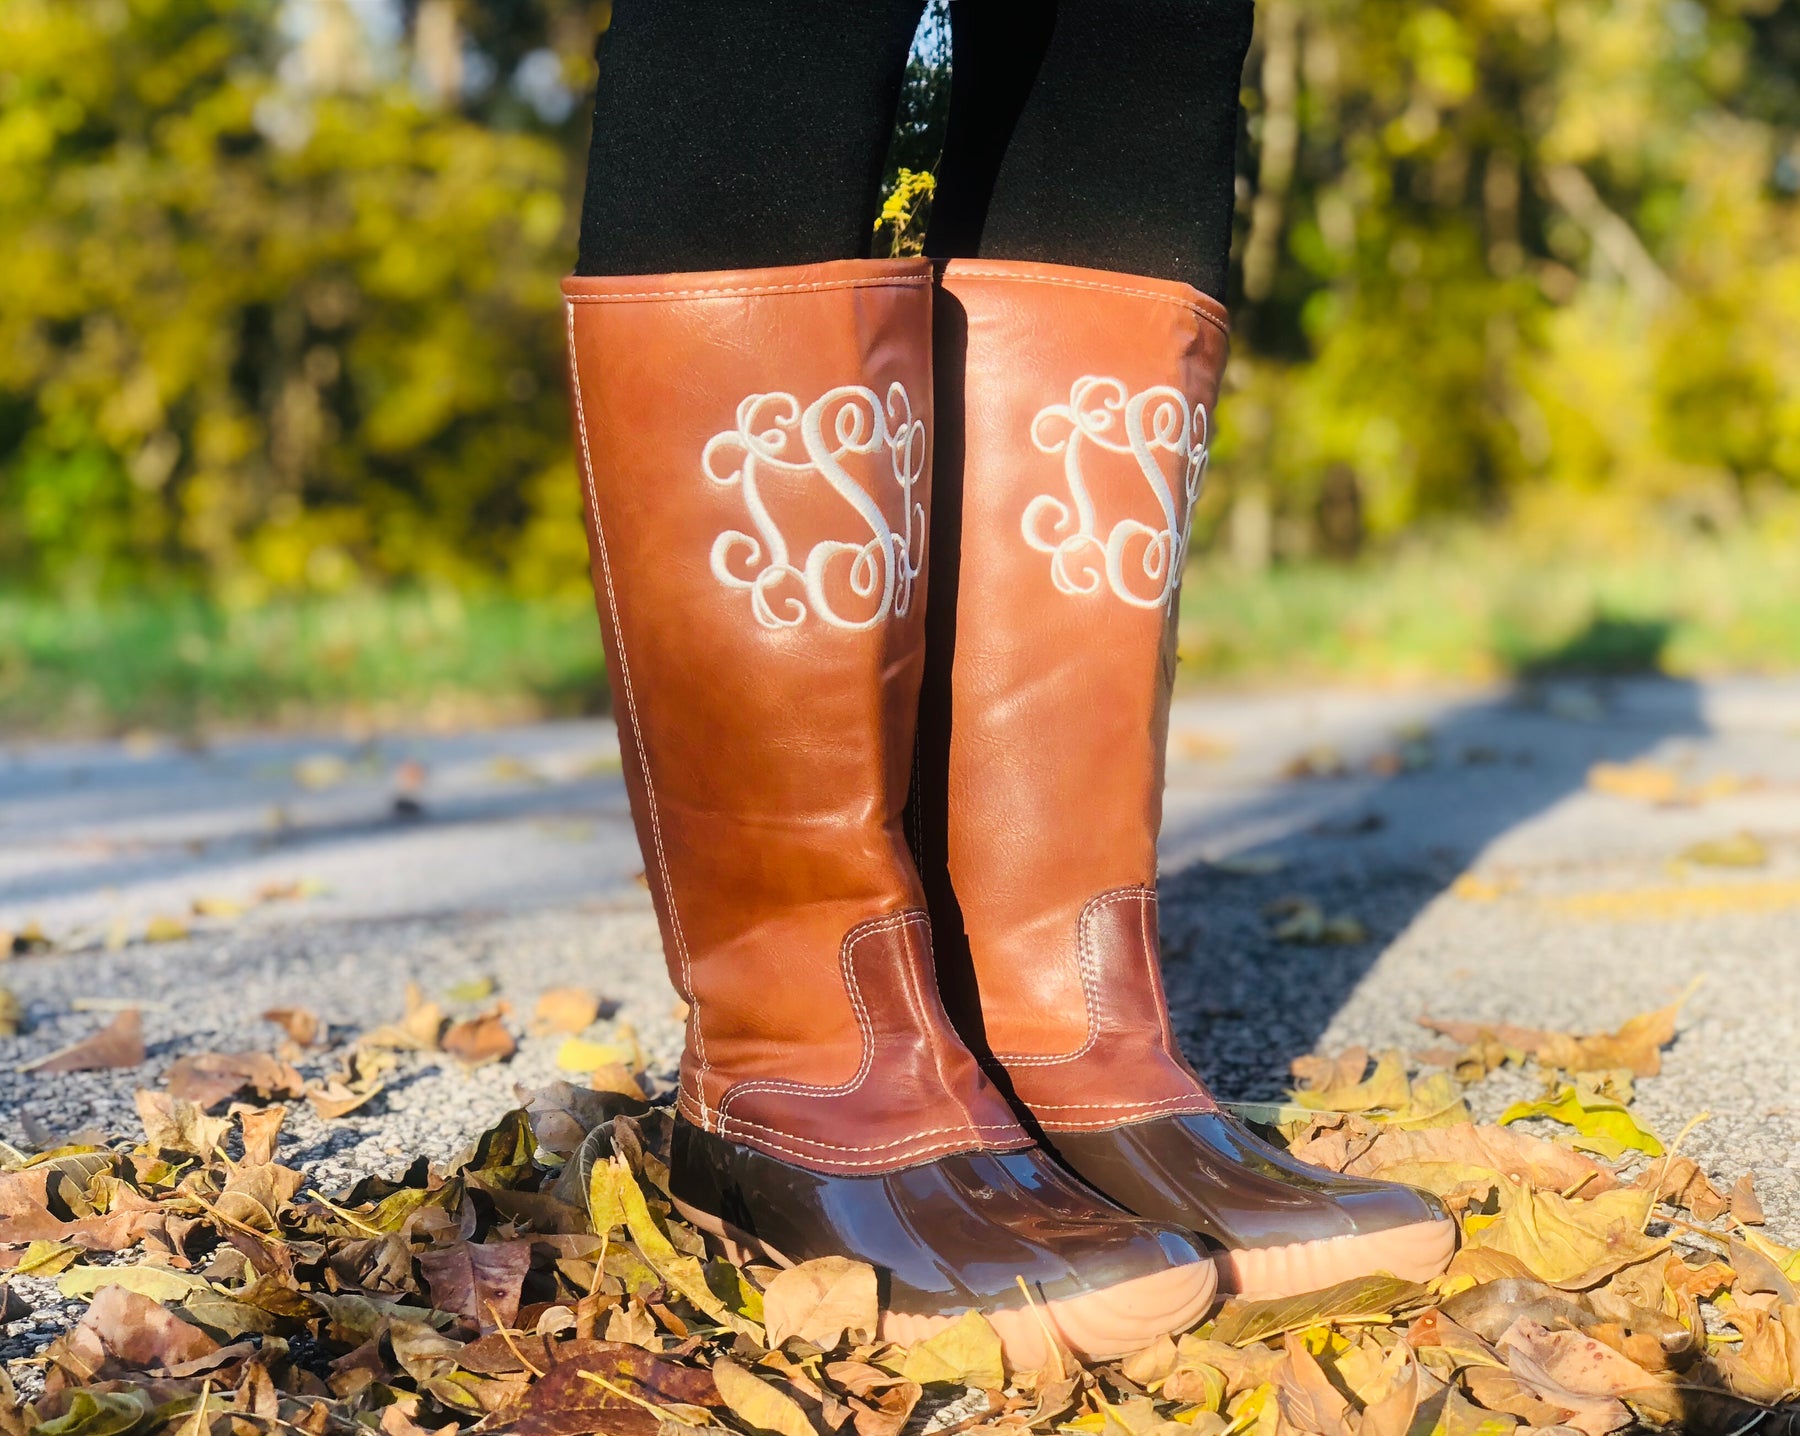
pixel 1740 850
pixel 157 1283
pixel 821 1301
pixel 576 1055
pixel 1363 1297
pixel 758 1404
pixel 1386 1087
pixel 606 1202
pixel 476 989
pixel 47 1258
pixel 1564 1239
pixel 165 929
pixel 965 1353
pixel 1609 1128
pixel 682 1272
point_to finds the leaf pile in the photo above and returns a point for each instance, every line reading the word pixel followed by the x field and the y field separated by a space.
pixel 542 1284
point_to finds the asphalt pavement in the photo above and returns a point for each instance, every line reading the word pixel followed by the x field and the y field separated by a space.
pixel 1510 855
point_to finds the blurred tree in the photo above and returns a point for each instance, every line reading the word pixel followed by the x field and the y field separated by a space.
pixel 282 309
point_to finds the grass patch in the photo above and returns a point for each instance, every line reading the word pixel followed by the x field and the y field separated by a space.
pixel 182 663
pixel 1476 607
pixel 1472 606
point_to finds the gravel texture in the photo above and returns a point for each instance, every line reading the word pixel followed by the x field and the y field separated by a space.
pixel 439 859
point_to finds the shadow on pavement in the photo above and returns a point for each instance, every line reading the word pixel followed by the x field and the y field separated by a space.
pixel 1379 847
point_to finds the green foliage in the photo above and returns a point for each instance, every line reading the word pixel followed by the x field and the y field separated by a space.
pixel 281 313
pixel 274 320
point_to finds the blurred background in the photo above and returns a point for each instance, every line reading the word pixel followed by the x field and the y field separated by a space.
pixel 283 439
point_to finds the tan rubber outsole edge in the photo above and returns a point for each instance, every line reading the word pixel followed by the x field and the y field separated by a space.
pixel 1416 1252
pixel 1096 1326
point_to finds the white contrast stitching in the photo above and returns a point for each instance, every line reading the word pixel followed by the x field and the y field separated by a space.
pixel 864 1024
pixel 653 296
pixel 1090 985
pixel 969 1136
pixel 662 862
pixel 1116 1115
pixel 1197 310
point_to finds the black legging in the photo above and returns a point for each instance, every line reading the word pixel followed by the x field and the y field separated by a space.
pixel 747 133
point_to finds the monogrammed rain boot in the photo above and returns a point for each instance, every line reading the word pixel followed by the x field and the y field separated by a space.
pixel 755 451
pixel 1074 409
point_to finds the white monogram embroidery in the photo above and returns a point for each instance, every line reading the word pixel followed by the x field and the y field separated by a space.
pixel 1140 562
pixel 882 567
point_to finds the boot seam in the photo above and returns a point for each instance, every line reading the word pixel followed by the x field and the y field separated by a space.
pixel 662 862
pixel 964 271
pixel 742 291
pixel 865 1025
pixel 1090 985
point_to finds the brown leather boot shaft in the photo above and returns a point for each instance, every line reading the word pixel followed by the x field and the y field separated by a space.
pixel 1066 485
pixel 754 450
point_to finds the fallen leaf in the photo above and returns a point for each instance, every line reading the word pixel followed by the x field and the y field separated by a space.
pixel 1240 1322
pixel 301 1025
pixel 1741 850
pixel 965 1353
pixel 1746 1210
pixel 217 906
pixel 211 1078
pixel 479 1282
pixel 174 1124
pixel 1444 1159
pixel 12 1013
pixel 1386 1087
pixel 759 1404
pixel 141 1334
pixel 1636 1046
pixel 157 1283
pixel 1308 1400
pixel 1575 1362
pixel 163 928
pixel 1606 1127
pixel 480 1040
pixel 1564 1240
pixel 417 1031
pixel 476 989
pixel 566 1009
pixel 822 1301
pixel 575 1055
pixel 317 771
pixel 119 1044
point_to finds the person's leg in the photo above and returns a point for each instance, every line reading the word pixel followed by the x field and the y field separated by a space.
pixel 1094 133
pixel 739 134
pixel 1079 354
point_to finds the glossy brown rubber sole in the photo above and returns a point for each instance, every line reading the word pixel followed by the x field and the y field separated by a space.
pixel 1416 1252
pixel 1098 1325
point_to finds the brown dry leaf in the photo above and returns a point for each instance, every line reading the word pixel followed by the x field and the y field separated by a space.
pixel 880 1403
pixel 481 1040
pixel 175 1124
pixel 1316 1073
pixel 566 1009
pixel 119 1044
pixel 822 1301
pixel 1308 1400
pixel 261 1127
pixel 208 1079
pixel 1572 1361
pixel 480 1283
pixel 1636 1046
pixel 614 1078
pixel 1152 1364
pixel 301 1025
pixel 12 1013
pixel 1680 1183
pixel 343 1092
pixel 1746 1210
pixel 965 1353
pixel 139 1333
pixel 759 1404
pixel 1567 1241
pixel 1391 1412
pixel 1445 1159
